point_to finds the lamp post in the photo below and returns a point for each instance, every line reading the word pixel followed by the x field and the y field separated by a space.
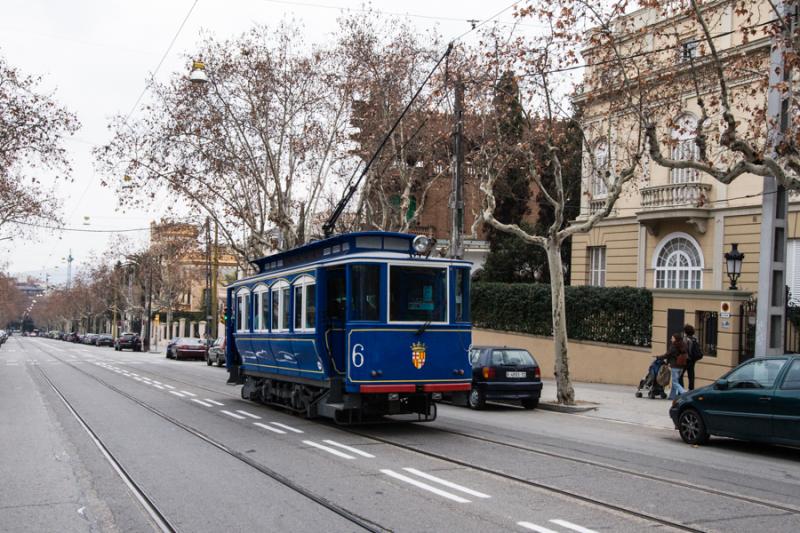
pixel 733 263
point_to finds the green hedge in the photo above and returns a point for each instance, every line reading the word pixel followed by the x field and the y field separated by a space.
pixel 617 315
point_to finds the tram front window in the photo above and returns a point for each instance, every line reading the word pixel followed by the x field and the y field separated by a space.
pixel 366 283
pixel 417 294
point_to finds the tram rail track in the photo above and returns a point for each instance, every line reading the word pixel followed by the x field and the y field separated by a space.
pixel 148 503
pixel 606 505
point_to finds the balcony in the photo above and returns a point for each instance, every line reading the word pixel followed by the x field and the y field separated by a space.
pixel 689 202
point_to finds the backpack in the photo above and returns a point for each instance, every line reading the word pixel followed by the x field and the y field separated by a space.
pixel 695 353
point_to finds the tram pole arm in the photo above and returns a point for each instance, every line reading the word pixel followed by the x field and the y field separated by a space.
pixel 330 224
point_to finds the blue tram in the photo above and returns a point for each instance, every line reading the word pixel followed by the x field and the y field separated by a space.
pixel 353 327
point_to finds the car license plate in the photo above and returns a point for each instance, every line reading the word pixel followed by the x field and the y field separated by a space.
pixel 515 374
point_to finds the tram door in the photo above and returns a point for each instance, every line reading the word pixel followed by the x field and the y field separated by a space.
pixel 335 309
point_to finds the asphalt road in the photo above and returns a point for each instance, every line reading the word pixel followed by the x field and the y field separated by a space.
pixel 98 440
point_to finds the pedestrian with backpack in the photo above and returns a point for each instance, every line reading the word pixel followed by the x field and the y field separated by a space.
pixel 694 351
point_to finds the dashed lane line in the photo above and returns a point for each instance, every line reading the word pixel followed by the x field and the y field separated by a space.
pixel 535 527
pixel 448 484
pixel 425 486
pixel 176 393
pixel 251 415
pixel 284 426
pixel 187 393
pixel 573 527
pixel 349 449
pixel 209 400
pixel 234 415
pixel 269 428
pixel 201 402
pixel 328 449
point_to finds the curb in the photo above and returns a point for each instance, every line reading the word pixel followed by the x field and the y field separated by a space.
pixel 561 408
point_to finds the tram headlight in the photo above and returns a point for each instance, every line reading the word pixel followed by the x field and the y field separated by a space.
pixel 422 245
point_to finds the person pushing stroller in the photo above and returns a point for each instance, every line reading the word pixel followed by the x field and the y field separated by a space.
pixel 677 357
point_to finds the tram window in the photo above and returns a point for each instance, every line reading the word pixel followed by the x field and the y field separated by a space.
pixel 462 306
pixel 275 309
pixel 298 307
pixel 365 281
pixel 285 316
pixel 242 307
pixel 417 294
pixel 336 297
pixel 264 306
pixel 311 306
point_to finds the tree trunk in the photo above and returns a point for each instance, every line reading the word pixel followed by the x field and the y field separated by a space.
pixel 564 391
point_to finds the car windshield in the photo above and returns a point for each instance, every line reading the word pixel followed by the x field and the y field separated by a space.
pixel 191 341
pixel 512 357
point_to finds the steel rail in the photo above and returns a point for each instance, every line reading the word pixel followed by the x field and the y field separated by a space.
pixel 348 515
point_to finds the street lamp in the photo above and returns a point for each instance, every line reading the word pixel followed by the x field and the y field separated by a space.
pixel 198 74
pixel 733 262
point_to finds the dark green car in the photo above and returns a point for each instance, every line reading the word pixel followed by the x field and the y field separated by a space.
pixel 758 400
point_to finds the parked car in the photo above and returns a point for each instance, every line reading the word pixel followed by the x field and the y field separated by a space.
pixel 89 338
pixel 128 341
pixel 187 347
pixel 758 400
pixel 503 373
pixel 104 340
pixel 216 352
pixel 4 337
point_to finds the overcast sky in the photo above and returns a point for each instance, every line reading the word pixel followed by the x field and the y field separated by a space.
pixel 96 55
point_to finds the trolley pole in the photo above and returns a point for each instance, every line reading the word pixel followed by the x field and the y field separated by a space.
pixel 215 284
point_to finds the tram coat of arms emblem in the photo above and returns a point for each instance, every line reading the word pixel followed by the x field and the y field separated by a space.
pixel 418 355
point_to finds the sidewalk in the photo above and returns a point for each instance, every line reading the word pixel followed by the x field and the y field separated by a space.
pixel 611 402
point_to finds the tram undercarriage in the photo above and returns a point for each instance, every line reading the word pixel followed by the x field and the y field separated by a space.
pixel 311 401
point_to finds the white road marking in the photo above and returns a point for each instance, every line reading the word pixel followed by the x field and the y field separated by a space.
pixel 187 393
pixel 251 415
pixel 137 378
pixel 134 374
pixel 215 402
pixel 328 449
pixel 168 386
pixel 349 448
pixel 270 428
pixel 158 382
pixel 284 426
pixel 158 387
pixel 201 402
pixel 234 415
pixel 446 483
pixel 425 486
pixel 177 394
pixel 534 527
pixel 573 527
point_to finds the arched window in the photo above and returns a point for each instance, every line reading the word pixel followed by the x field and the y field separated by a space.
pixel 684 148
pixel 601 160
pixel 305 304
pixel 679 263
pixel 280 305
pixel 261 308
pixel 243 310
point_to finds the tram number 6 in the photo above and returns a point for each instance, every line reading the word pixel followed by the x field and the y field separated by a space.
pixel 358 356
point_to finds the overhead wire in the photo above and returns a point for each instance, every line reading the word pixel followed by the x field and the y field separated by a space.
pixel 141 95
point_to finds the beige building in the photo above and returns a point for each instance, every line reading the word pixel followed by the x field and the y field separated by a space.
pixel 669 230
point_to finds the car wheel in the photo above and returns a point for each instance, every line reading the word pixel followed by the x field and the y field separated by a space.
pixel 477 400
pixel 692 428
pixel 208 361
pixel 220 362
pixel 530 403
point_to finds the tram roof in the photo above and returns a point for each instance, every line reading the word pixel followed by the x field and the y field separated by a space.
pixel 337 246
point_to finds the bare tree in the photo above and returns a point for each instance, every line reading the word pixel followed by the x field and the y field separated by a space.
pixel 253 148
pixel 32 129
pixel 543 95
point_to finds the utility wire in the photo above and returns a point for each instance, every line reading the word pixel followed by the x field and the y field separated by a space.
pixel 141 95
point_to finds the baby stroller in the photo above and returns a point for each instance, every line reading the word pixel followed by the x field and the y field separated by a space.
pixel 649 385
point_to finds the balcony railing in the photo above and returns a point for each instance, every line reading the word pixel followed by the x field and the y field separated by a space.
pixel 692 194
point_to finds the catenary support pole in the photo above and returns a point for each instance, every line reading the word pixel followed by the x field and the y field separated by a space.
pixel 771 305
